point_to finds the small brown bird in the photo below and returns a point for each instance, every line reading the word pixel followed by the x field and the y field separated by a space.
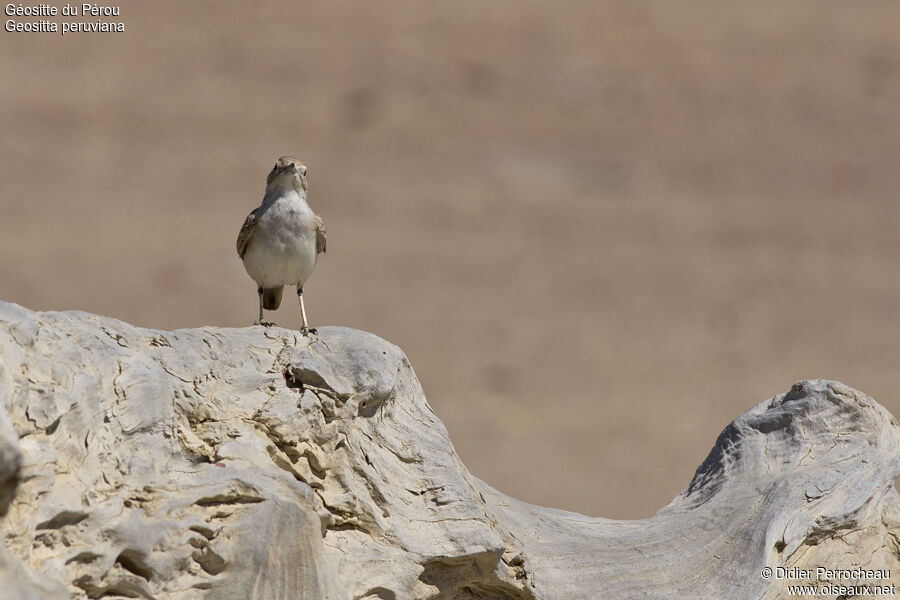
pixel 282 238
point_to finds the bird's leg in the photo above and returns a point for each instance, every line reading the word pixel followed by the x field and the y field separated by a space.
pixel 259 291
pixel 260 321
pixel 305 328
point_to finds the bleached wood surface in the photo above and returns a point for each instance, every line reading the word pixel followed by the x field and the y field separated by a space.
pixel 258 464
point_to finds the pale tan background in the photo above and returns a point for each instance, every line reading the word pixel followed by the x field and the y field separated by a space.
pixel 600 230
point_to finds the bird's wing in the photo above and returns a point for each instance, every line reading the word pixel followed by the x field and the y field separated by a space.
pixel 246 234
pixel 320 234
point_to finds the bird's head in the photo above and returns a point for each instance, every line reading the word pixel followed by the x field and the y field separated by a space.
pixel 288 171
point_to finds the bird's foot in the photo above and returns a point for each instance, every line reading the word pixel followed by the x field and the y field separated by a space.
pixel 308 330
pixel 264 323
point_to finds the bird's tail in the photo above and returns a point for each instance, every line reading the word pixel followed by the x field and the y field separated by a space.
pixel 272 297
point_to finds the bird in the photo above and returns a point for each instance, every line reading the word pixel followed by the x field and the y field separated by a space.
pixel 281 239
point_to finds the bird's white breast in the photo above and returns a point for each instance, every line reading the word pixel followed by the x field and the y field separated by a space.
pixel 282 250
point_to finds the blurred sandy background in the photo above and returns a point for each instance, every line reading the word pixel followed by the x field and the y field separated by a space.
pixel 600 230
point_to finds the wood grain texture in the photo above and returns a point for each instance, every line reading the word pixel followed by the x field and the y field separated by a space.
pixel 259 463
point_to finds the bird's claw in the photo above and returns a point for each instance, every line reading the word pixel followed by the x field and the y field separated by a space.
pixel 264 323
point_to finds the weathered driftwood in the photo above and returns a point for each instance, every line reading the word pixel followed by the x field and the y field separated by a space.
pixel 256 463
